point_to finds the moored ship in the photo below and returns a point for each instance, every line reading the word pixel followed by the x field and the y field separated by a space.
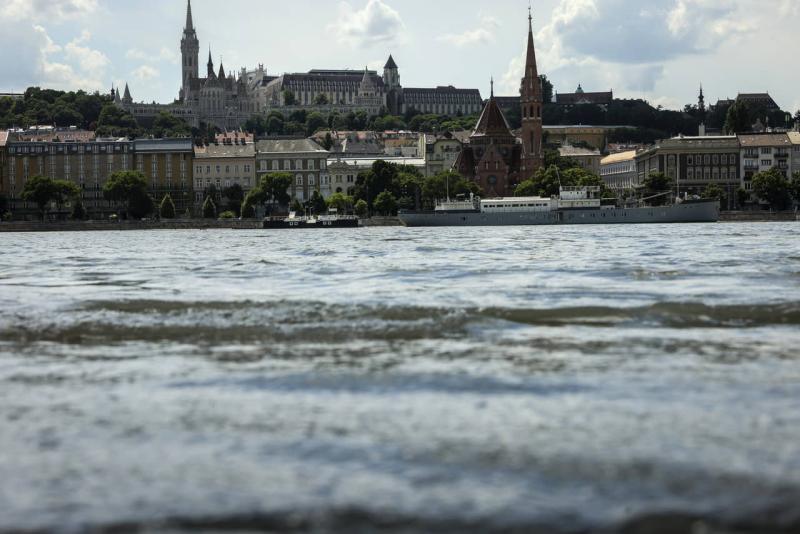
pixel 574 205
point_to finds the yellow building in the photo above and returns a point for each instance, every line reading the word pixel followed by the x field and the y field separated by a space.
pixel 224 164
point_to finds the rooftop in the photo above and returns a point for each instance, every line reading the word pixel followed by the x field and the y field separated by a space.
pixel 288 146
pixel 794 137
pixel 618 158
pixel 225 150
pixel 160 145
pixel 760 140
pixel 3 138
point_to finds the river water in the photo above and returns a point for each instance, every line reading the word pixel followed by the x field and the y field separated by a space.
pixel 568 379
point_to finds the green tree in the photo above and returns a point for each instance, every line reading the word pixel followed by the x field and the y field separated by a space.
pixel 315 121
pixel 130 189
pixel 209 209
pixel 655 186
pixel 361 208
pixel 65 191
pixel 341 202
pixel 386 204
pixel 248 210
pixel 794 187
pixel 40 191
pixel 297 207
pixel 547 89
pixel 738 119
pixel 78 210
pixel 115 121
pixel 167 208
pixel 227 215
pixel 234 195
pixel 289 98
pixel 317 204
pixel 275 187
pixel 528 188
pixel 714 192
pixel 772 187
pixel 742 196
pixel 321 100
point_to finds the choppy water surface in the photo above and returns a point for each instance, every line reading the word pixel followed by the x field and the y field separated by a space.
pixel 565 379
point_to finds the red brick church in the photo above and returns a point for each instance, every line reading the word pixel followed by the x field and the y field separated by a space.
pixel 495 158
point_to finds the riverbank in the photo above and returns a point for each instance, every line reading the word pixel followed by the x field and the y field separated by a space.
pixel 89 226
pixel 235 224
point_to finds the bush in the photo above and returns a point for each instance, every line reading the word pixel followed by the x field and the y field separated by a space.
pixel 227 215
pixel 361 208
pixel 167 208
pixel 209 209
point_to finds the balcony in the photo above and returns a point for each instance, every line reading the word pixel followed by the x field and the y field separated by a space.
pixel 781 155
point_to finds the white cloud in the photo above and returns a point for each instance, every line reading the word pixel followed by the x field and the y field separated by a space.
pixel 48 10
pixel 165 54
pixel 90 60
pixel 377 22
pixel 483 34
pixel 145 73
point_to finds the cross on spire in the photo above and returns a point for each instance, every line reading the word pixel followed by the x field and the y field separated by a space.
pixel 492 82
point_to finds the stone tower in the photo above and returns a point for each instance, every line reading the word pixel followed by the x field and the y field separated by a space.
pixel 190 55
pixel 531 102
pixel 394 91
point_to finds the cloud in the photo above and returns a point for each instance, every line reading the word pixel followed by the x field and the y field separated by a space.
pixel 48 10
pixel 377 22
pixel 145 73
pixel 92 61
pixel 483 34
pixel 165 54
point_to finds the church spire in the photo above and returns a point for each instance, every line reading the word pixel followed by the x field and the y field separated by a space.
pixel 210 64
pixel 530 58
pixel 531 104
pixel 189 23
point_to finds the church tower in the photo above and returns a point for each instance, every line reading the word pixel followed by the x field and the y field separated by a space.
pixel 531 102
pixel 190 55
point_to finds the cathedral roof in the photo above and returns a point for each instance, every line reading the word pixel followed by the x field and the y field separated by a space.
pixel 390 64
pixel 492 122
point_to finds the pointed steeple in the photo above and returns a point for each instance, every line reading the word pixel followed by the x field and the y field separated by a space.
pixel 189 23
pixel 127 95
pixel 390 64
pixel 221 74
pixel 531 104
pixel 531 70
pixel 210 65
pixel 492 90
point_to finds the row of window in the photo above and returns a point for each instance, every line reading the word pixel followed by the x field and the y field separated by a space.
pixel 707 159
pixel 292 165
pixel 199 169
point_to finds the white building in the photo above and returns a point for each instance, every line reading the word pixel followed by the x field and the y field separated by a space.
pixel 618 171
pixel 762 152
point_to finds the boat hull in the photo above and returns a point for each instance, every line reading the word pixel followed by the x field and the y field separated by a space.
pixel 688 212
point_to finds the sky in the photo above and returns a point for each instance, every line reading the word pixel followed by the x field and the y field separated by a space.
pixel 659 50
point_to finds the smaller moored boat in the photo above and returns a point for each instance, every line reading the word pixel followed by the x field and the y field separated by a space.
pixel 293 222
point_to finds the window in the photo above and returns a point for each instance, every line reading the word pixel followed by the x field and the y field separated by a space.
pixel 219 169
pixel 766 150
pixel 707 159
pixel 299 180
pixel 311 180
pixel 766 163
pixel 724 159
pixel 690 160
pixel 716 159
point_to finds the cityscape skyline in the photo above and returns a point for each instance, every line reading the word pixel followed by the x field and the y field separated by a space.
pixel 72 44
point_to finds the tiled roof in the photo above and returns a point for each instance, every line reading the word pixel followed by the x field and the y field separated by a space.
pixel 288 146
pixel 413 91
pixel 492 122
pixel 794 137
pixel 224 150
pixel 765 140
